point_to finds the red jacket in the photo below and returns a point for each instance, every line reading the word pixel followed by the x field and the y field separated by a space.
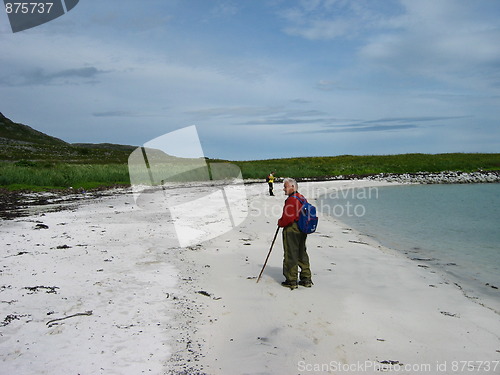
pixel 291 210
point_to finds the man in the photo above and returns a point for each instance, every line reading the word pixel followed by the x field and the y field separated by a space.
pixel 270 181
pixel 294 241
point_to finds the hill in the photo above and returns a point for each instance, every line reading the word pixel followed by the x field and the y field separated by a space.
pixel 106 146
pixel 21 142
pixel 350 166
pixel 30 159
pixel 12 133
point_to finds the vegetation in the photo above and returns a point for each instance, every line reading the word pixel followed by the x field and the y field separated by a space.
pixel 12 131
pixel 32 160
pixel 369 165
pixel 27 175
pixel 62 154
pixel 35 175
pixel 20 142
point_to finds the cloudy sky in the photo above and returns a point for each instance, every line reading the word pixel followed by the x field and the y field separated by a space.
pixel 263 78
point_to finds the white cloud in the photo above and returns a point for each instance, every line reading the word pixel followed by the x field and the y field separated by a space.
pixel 320 64
pixel 447 41
pixel 333 19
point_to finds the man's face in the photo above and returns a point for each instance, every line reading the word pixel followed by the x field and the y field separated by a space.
pixel 288 189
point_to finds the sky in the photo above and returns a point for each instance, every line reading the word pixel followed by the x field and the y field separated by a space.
pixel 263 79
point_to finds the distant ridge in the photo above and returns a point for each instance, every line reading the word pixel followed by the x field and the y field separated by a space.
pixel 108 146
pixel 22 142
pixel 12 132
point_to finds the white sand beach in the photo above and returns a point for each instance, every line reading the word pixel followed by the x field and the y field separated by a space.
pixel 103 287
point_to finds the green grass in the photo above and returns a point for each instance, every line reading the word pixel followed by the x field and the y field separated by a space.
pixel 50 174
pixel 25 175
pixel 62 154
pixel 369 165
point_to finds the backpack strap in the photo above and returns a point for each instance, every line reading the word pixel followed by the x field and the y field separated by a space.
pixel 301 201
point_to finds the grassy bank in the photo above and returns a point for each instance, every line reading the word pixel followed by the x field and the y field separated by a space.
pixel 369 165
pixel 42 175
pixel 26 175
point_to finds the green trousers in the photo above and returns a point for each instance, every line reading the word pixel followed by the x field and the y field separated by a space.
pixel 295 254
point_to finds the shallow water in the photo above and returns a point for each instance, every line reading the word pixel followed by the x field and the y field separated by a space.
pixel 453 228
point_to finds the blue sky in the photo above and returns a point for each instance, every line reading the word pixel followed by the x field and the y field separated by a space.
pixel 263 79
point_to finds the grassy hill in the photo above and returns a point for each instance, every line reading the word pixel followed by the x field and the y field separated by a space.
pixel 12 133
pixel 33 160
pixel 363 165
pixel 21 142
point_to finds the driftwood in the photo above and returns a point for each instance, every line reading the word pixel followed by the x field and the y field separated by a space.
pixel 69 316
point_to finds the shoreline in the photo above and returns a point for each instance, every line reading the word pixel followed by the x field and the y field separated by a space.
pixel 484 295
pixel 162 309
pixel 240 327
pixel 482 292
pixel 12 201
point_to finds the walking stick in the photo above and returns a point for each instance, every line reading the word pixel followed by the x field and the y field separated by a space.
pixel 272 243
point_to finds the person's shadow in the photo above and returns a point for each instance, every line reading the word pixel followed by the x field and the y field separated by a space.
pixel 275 273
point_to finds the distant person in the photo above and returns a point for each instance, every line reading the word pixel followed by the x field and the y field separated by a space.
pixel 294 241
pixel 270 181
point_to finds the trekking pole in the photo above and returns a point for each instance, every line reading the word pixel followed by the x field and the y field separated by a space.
pixel 272 243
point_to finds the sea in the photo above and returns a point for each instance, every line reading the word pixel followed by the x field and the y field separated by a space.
pixel 450 228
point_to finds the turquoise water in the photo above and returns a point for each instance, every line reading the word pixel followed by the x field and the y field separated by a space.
pixel 452 228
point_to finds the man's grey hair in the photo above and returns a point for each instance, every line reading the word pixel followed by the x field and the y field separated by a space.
pixel 292 182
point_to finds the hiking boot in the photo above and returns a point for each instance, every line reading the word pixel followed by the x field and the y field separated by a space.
pixel 290 284
pixel 306 283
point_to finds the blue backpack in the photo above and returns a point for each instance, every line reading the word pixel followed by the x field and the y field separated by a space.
pixel 308 221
